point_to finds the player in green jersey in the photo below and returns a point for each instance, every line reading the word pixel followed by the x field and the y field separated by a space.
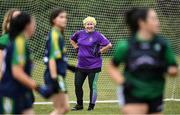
pixel 147 57
pixel 4 39
pixel 16 85
pixel 56 61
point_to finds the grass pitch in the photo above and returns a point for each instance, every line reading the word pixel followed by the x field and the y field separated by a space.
pixel 106 91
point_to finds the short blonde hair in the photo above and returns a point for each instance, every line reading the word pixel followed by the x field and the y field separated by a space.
pixel 7 19
pixel 89 19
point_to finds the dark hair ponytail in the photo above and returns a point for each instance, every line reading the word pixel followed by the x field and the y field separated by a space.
pixel 133 16
pixel 55 14
pixel 18 24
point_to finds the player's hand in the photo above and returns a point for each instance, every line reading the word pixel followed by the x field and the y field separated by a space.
pixel 59 84
pixel 173 71
pixel 55 85
pixel 45 91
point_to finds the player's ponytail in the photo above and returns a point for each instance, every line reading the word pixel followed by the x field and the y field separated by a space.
pixel 18 24
pixel 133 17
pixel 7 19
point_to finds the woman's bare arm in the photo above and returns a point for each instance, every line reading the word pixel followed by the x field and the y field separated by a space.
pixel 74 44
pixel 105 48
pixel 53 68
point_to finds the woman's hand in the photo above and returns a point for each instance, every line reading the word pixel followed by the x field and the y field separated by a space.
pixel 172 71
pixel 74 44
pixel 105 49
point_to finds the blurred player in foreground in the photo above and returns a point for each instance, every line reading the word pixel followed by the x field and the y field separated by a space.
pixel 90 44
pixel 56 61
pixel 4 39
pixel 16 96
pixel 147 57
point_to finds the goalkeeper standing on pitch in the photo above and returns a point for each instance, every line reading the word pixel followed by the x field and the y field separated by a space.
pixel 4 39
pixel 90 44
pixel 16 86
pixel 147 57
pixel 56 61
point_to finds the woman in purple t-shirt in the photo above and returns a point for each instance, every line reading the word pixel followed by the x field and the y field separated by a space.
pixel 90 45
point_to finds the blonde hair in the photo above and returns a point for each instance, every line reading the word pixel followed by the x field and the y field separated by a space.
pixel 89 19
pixel 7 19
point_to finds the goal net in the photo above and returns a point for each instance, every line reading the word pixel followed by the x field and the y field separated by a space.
pixel 110 21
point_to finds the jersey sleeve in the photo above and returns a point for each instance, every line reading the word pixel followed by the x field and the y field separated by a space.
pixel 4 39
pixel 103 41
pixel 55 51
pixel 19 55
pixel 74 37
pixel 120 53
pixel 169 55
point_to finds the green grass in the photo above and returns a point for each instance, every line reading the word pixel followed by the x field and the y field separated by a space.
pixel 106 91
pixel 111 108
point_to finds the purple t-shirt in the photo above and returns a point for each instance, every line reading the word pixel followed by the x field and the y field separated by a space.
pixel 89 45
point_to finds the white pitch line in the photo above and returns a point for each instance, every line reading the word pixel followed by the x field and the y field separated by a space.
pixel 105 101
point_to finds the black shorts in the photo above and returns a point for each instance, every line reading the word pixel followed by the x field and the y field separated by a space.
pixel 16 105
pixel 61 82
pixel 154 105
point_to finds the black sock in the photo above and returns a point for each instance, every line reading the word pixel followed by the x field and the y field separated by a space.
pixel 91 105
pixel 80 102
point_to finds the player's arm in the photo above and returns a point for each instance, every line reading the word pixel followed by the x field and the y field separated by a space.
pixel 105 43
pixel 172 67
pixel 119 56
pixel 55 53
pixel 18 62
pixel 73 40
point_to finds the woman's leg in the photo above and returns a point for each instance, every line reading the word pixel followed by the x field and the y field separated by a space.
pixel 79 80
pixel 92 79
pixel 135 108
pixel 60 103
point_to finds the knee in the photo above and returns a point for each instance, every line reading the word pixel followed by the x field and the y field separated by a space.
pixel 66 109
pixel 125 111
pixel 62 110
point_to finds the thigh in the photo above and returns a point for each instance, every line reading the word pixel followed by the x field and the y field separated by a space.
pixel 60 100
pixel 92 79
pixel 135 108
pixel 28 112
pixel 80 77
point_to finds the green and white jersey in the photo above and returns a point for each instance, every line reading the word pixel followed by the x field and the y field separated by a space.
pixel 145 65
